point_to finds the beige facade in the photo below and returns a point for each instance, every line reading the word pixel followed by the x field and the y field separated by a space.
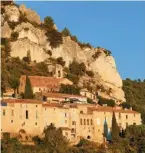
pixel 76 120
pixel 88 94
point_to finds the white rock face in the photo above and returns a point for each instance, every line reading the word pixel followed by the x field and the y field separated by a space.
pixel 20 48
pixel 6 31
pixel 30 14
pixel 34 39
pixel 12 12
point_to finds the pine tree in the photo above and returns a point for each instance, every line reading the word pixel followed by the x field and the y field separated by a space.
pixel 28 89
pixel 115 129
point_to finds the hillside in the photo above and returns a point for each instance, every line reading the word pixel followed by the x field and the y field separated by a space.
pixel 135 95
pixel 23 33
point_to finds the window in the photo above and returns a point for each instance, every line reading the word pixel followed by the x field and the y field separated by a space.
pixel 134 123
pixel 36 115
pixel 73 123
pixel 84 121
pixel 104 113
pixel 126 116
pixel 81 122
pixel 134 115
pixel 36 105
pixel 12 112
pixel 11 121
pixel 81 112
pixel 91 122
pixel 35 123
pixel 4 112
pixel 73 130
pixel 87 121
pixel 59 74
pixel 65 114
pixel 65 121
pixel 27 114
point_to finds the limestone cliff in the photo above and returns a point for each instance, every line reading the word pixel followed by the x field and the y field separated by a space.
pixel 33 38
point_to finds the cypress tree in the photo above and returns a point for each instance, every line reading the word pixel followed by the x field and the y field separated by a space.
pixel 115 129
pixel 105 129
pixel 28 89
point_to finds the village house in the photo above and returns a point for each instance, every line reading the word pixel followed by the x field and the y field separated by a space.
pixel 60 97
pixel 43 84
pixel 76 120
pixel 88 94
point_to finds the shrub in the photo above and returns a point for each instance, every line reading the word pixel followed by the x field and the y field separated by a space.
pixel 26 59
pixel 107 52
pixel 109 102
pixel 73 78
pixel 74 38
pixel 90 73
pixel 12 25
pixel 96 55
pixel 76 68
pixel 14 36
pixel 125 105
pixel 83 45
pixel 48 52
pixel 69 89
pixel 54 37
pixel 22 18
pixel 90 101
pixel 2 10
pixel 60 61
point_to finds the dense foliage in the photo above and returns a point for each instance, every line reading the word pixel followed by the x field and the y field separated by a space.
pixel 28 94
pixel 133 141
pixel 69 89
pixel 109 102
pixel 135 95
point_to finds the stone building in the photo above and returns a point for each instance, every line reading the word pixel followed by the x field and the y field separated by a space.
pixel 43 84
pixel 76 120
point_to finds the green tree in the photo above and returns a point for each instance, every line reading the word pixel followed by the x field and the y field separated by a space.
pixel 14 83
pixel 54 37
pixel 115 129
pixel 65 32
pixel 60 61
pixel 48 22
pixel 28 89
pixel 54 140
pixel 69 89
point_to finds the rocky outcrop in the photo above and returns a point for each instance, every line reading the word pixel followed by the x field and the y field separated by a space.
pixel 6 31
pixel 33 38
pixel 30 14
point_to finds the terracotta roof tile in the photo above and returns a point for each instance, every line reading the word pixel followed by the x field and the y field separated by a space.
pixel 28 101
pixel 111 109
pixel 42 81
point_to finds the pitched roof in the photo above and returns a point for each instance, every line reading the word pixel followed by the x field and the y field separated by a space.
pixel 42 81
pixel 111 109
pixel 27 101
